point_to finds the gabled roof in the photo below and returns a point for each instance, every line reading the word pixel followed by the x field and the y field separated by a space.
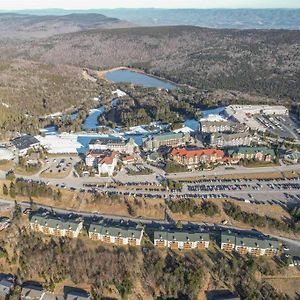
pixel 167 136
pixel 116 230
pixel 251 150
pixel 25 142
pixel 107 141
pixel 77 296
pixel 108 159
pixel 248 240
pixel 5 287
pixel 50 296
pixel 55 223
pixel 32 292
pixel 231 136
pixel 181 236
pixel 196 152
pixel 128 158
pixel 228 237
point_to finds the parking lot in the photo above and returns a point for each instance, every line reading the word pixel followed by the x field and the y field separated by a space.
pixel 259 191
pixel 283 126
pixel 58 167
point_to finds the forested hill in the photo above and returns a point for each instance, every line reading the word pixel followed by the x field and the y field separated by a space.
pixel 26 26
pixel 264 62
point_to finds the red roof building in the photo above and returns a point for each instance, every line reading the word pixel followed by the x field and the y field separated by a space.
pixel 194 157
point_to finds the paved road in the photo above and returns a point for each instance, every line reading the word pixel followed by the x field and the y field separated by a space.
pixel 237 170
pixel 294 245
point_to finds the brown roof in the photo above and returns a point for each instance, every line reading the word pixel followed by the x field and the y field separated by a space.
pixel 109 159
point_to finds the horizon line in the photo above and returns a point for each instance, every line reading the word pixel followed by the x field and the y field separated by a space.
pixel 163 8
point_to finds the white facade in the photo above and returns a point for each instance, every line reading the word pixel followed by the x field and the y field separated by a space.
pixel 6 154
pixel 230 140
pixel 108 164
pixel 91 160
pixel 181 244
pixel 181 240
pixel 57 230
pixel 121 146
pixel 116 239
pixel 118 235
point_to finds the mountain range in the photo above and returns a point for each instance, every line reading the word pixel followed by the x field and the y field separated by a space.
pixel 213 18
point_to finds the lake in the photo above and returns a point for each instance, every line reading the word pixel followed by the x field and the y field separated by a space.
pixel 126 76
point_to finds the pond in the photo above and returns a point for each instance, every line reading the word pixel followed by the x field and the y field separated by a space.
pixel 127 76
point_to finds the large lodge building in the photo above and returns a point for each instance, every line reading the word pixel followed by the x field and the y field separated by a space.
pixel 194 157
pixel 170 139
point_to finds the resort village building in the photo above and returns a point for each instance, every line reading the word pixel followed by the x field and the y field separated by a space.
pixel 251 153
pixel 116 234
pixel 128 159
pixel 246 244
pixel 230 140
pixel 24 143
pixel 6 288
pixel 181 240
pixel 216 123
pixel 107 165
pixel 193 157
pixel 55 226
pixel 6 154
pixel 113 144
pixel 170 139
pixel 104 161
pixel 32 292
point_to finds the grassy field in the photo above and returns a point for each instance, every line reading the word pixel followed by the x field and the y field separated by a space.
pixel 6 165
pixel 264 210
pixel 23 172
pixel 57 175
pixel 288 284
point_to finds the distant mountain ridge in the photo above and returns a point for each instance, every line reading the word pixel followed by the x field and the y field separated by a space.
pixel 212 18
pixel 27 26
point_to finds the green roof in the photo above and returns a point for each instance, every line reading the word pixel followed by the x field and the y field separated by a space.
pixel 181 236
pixel 250 150
pixel 116 231
pixel 53 222
pixel 252 241
pixel 168 136
pixel 228 237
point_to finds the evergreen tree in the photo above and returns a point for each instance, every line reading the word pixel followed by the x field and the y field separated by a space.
pixel 12 190
pixel 5 190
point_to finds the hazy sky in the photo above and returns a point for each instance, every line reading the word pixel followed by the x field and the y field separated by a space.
pixel 86 4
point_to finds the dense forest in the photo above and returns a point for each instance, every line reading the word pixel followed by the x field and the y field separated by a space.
pixel 264 62
pixel 136 273
pixel 43 76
